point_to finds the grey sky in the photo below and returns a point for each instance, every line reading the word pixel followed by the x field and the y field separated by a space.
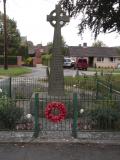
pixel 30 16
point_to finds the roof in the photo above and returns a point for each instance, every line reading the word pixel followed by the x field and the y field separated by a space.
pixel 78 51
pixel 42 48
pixel 31 51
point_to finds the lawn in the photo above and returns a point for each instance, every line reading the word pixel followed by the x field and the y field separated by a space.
pixel 89 82
pixel 14 71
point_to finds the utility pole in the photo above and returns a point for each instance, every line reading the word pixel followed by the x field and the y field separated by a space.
pixel 5 37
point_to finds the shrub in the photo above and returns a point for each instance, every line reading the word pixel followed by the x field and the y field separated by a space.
pixel 9 113
pixel 12 60
pixel 105 115
pixel 46 59
pixel 29 61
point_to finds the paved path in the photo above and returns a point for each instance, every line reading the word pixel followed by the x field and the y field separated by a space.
pixel 58 151
pixel 37 72
pixel 41 72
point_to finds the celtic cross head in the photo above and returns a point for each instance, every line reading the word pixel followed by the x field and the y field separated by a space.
pixel 58 17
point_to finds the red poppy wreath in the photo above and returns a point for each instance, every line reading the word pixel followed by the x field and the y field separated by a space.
pixel 50 112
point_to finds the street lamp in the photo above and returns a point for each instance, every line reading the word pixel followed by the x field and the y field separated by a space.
pixel 5 36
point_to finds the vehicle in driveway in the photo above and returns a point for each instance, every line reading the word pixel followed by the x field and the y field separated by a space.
pixel 81 63
pixel 68 62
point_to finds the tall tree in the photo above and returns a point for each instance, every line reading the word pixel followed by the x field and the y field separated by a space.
pixel 50 46
pixel 13 37
pixel 64 47
pixel 98 44
pixel 98 15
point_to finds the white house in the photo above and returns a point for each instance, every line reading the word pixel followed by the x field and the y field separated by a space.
pixel 107 57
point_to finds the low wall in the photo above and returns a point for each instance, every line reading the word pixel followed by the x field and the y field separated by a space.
pixel 112 138
pixel 19 60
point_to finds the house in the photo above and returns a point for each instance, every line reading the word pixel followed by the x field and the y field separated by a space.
pixel 36 53
pixel 106 57
pixel 39 50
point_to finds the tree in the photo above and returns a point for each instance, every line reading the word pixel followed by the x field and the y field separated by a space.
pixel 23 51
pixel 50 46
pixel 98 44
pixel 64 47
pixel 98 15
pixel 13 37
pixel 30 44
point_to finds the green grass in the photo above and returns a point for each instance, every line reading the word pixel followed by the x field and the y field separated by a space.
pixel 90 83
pixel 14 71
pixel 87 83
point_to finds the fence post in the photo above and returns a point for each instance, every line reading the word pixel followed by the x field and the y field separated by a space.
pixel 36 118
pixel 110 91
pixel 97 87
pixel 75 115
pixel 10 86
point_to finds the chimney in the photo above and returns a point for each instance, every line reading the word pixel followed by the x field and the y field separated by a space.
pixel 84 45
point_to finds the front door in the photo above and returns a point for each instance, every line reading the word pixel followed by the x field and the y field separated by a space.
pixel 90 61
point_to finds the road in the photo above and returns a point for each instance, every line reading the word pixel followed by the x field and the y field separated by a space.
pixel 58 151
pixel 41 72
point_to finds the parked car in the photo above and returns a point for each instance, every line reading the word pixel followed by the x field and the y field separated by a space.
pixel 118 66
pixel 81 63
pixel 68 62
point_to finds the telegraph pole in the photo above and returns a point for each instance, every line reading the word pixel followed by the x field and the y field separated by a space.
pixel 5 37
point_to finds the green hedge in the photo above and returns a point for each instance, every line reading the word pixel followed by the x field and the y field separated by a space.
pixel 12 60
pixel 46 59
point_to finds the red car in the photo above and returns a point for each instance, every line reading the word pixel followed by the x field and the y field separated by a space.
pixel 81 63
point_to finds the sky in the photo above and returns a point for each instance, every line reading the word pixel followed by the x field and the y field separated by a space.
pixel 31 16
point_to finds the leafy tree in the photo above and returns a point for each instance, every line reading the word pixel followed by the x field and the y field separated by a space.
pixel 13 37
pixel 64 47
pixel 23 48
pixel 98 44
pixel 31 49
pixel 30 44
pixel 23 51
pixel 50 46
pixel 98 15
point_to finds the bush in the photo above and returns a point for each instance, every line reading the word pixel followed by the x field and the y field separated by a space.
pixel 46 59
pixel 9 113
pixel 29 61
pixel 105 115
pixel 12 60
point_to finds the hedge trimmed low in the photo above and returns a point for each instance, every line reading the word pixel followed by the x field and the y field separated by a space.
pixel 11 60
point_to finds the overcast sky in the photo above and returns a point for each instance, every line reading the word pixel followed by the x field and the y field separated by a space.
pixel 30 16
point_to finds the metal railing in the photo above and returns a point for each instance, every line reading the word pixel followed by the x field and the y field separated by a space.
pixel 91 105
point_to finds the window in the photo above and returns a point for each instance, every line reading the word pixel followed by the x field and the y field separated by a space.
pixel 100 59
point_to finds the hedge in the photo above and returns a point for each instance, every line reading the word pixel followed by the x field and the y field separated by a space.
pixel 46 59
pixel 12 60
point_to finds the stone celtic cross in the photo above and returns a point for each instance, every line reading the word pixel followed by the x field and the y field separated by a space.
pixel 57 19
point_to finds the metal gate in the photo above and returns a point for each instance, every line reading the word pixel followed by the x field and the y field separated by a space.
pixel 66 126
